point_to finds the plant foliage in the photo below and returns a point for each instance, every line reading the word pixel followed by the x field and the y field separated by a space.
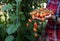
pixel 17 27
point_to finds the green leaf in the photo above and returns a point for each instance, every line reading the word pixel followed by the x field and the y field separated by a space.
pixel 9 38
pixel 1 25
pixel 44 25
pixel 13 17
pixel 7 7
pixel 23 18
pixel 12 28
pixel 21 13
pixel 30 37
pixel 18 0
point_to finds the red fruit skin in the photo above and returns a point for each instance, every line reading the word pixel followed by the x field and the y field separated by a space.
pixel 47 14
pixel 27 24
pixel 29 20
pixel 44 15
pixel 35 25
pixel 42 19
pixel 33 17
pixel 37 15
pixel 34 29
pixel 35 34
pixel 41 15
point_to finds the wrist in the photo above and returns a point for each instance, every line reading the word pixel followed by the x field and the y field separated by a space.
pixel 54 18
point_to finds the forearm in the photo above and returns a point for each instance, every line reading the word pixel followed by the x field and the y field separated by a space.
pixel 54 18
pixel 58 20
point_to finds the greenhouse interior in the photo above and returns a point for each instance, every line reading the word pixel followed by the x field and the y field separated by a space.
pixel 29 20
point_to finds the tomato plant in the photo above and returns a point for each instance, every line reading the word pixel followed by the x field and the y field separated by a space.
pixel 16 23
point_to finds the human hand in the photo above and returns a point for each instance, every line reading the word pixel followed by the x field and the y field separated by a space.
pixel 49 16
pixel 41 14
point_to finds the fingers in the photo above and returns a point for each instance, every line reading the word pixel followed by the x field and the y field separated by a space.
pixel 37 18
pixel 48 16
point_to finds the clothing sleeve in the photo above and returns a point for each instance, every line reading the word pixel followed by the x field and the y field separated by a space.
pixel 52 4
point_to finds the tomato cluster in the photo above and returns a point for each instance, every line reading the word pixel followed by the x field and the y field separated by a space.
pixel 35 24
pixel 35 27
pixel 38 14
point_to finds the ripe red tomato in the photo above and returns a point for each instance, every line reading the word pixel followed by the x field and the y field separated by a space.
pixel 47 13
pixel 41 15
pixel 42 19
pixel 35 25
pixel 37 15
pixel 35 34
pixel 34 29
pixel 27 24
pixel 44 14
pixel 29 20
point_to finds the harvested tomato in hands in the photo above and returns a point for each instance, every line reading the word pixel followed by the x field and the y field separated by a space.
pixel 41 16
pixel 42 19
pixel 47 13
pixel 44 14
pixel 41 13
pixel 37 15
